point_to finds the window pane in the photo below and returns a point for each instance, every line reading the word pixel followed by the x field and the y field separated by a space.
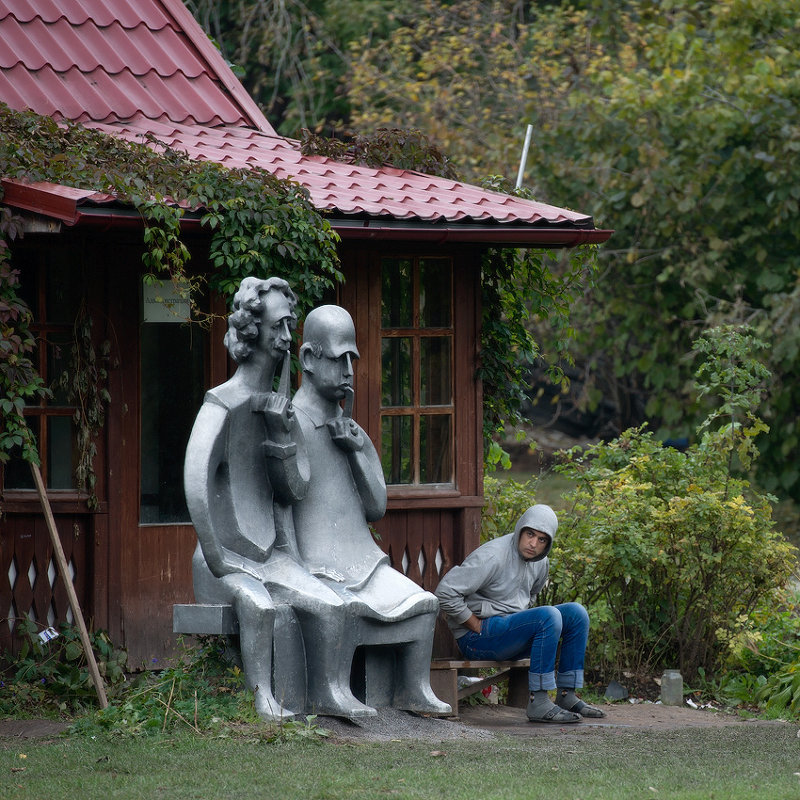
pixel 17 473
pixel 28 287
pixel 396 301
pixel 434 364
pixel 396 449
pixel 59 357
pixel 396 371
pixel 62 452
pixel 434 440
pixel 63 294
pixel 434 292
pixel 172 392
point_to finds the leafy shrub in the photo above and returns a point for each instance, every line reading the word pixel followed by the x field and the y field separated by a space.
pixel 505 501
pixel 53 676
pixel 668 549
pixel 202 692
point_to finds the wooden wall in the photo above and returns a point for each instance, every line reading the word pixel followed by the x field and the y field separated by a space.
pixel 132 574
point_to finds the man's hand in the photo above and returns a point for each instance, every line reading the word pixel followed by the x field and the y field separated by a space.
pixel 474 624
pixel 346 434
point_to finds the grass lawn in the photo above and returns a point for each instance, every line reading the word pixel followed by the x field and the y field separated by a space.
pixel 757 762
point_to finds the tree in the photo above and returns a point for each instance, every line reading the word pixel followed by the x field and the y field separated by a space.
pixel 677 124
pixel 291 55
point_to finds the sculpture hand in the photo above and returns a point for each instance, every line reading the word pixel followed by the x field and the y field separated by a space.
pixel 278 412
pixel 346 434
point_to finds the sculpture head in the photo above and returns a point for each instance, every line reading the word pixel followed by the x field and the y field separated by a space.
pixel 328 351
pixel 263 318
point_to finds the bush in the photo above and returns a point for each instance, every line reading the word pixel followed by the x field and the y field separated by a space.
pixel 53 676
pixel 670 550
pixel 505 501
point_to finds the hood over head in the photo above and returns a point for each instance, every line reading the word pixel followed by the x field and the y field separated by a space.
pixel 538 518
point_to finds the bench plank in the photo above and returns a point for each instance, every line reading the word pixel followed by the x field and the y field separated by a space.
pixel 204 618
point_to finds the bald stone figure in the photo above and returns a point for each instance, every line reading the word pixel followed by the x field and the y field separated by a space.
pixel 346 491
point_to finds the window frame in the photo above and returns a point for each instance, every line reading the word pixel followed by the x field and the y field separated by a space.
pixel 416 410
pixel 33 264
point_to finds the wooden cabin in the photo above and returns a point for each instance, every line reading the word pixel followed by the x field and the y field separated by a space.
pixel 410 250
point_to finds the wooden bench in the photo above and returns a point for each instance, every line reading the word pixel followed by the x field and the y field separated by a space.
pixel 444 680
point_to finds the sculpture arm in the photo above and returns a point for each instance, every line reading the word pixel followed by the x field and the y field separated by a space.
pixel 206 497
pixel 365 465
pixel 288 467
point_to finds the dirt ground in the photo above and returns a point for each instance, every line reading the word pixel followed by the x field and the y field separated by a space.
pixel 474 722
pixel 621 715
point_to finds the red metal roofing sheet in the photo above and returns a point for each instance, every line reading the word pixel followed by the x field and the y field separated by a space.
pixel 62 46
pixel 348 189
pixel 113 59
pixel 101 13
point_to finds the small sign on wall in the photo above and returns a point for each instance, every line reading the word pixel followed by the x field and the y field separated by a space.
pixel 162 302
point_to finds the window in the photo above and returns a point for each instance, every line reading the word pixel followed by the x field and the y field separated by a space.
pixel 50 284
pixel 172 388
pixel 417 380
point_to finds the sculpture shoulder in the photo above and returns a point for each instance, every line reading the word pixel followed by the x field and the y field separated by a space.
pixel 228 395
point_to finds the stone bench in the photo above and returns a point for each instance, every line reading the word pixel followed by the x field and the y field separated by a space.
pixel 444 680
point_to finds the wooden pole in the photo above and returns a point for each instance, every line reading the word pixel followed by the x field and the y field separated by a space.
pixel 63 570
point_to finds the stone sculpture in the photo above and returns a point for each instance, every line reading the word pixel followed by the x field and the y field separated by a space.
pixel 345 493
pixel 278 539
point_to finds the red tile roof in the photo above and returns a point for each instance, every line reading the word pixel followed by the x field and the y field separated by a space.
pixel 105 60
pixel 132 68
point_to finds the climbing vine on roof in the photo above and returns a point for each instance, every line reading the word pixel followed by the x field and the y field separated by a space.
pixel 259 224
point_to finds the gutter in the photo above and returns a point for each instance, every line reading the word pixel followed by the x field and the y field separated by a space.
pixel 548 237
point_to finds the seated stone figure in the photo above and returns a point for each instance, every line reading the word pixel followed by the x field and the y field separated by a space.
pixel 346 492
pixel 246 469
pixel 245 464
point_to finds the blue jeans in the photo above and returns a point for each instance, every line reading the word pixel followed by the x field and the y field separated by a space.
pixel 535 632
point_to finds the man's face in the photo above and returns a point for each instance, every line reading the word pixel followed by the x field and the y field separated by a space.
pixel 532 543
pixel 275 335
pixel 331 376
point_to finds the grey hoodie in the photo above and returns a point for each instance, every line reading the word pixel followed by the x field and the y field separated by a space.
pixel 495 579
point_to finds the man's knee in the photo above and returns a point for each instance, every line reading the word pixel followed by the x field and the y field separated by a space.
pixel 549 617
pixel 574 615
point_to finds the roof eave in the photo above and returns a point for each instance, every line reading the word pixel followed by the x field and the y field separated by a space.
pixel 508 235
pixel 75 208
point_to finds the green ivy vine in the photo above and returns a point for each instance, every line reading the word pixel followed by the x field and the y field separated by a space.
pixel 260 225
pixel 19 381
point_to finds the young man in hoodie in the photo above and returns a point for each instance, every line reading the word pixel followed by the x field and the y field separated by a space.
pixel 487 602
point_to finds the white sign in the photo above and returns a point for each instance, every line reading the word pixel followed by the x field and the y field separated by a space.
pixel 162 302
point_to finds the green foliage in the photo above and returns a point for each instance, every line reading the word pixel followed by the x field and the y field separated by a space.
pixel 403 149
pixel 505 501
pixel 19 381
pixel 53 676
pixel 764 658
pixel 684 132
pixel 203 692
pixel 668 549
pixel 293 54
pixel 678 125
